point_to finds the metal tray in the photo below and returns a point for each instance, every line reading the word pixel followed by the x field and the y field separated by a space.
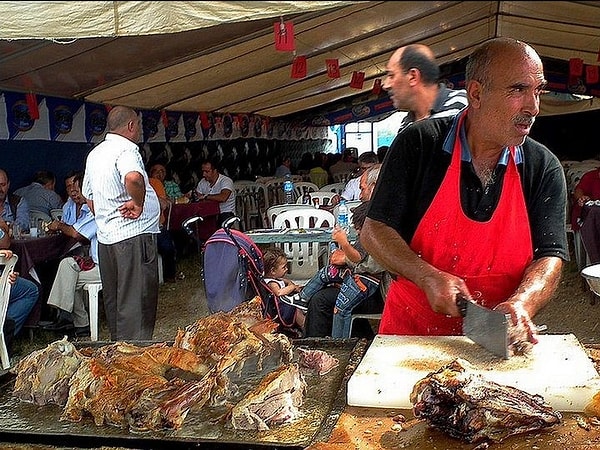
pixel 325 399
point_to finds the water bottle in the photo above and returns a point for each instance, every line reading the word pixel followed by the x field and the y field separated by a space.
pixel 342 216
pixel 288 189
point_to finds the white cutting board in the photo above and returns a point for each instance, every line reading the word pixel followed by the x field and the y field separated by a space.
pixel 558 369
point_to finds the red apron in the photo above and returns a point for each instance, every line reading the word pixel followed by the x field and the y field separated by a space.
pixel 490 256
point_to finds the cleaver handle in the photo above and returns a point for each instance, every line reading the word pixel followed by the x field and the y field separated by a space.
pixel 461 302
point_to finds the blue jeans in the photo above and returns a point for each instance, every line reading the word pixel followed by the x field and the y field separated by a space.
pixel 325 276
pixel 23 297
pixel 350 296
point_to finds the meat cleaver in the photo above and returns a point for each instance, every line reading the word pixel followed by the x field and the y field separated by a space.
pixel 485 327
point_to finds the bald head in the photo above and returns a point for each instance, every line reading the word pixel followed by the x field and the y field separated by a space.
pixel 494 53
pixel 124 121
pixel 421 57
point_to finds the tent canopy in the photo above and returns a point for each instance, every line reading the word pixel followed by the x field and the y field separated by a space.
pixel 221 57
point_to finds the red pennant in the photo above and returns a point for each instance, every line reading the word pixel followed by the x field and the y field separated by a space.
pixel 299 67
pixel 357 81
pixel 377 86
pixel 284 36
pixel 592 74
pixel 204 122
pixel 108 108
pixel 576 67
pixel 165 119
pixel 32 105
pixel 598 58
pixel 333 68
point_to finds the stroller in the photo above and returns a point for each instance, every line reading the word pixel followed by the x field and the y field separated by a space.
pixel 233 272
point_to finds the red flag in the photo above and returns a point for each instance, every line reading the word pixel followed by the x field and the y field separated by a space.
pixel 592 74
pixel 165 119
pixel 576 67
pixel 377 86
pixel 598 58
pixel 108 108
pixel 357 81
pixel 32 105
pixel 333 68
pixel 284 36
pixel 299 67
pixel 204 122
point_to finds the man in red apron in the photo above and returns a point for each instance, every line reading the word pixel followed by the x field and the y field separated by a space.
pixel 471 206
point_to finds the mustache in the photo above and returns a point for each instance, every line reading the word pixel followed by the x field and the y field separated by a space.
pixel 524 119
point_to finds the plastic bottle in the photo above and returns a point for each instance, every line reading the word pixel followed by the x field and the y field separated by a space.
pixel 288 189
pixel 342 216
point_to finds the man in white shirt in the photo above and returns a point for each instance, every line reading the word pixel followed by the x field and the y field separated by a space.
pixel 216 187
pixel 352 190
pixel 127 213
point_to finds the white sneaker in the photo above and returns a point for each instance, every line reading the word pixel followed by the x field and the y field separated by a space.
pixel 296 301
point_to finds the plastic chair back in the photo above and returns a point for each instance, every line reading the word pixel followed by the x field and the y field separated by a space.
pixel 8 265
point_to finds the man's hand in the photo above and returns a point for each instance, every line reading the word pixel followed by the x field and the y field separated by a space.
pixel 130 210
pixel 522 331
pixel 12 277
pixel 442 290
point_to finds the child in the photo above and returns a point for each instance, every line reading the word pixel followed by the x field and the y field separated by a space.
pixel 351 267
pixel 276 266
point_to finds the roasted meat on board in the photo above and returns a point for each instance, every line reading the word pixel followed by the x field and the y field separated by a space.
pixel 457 400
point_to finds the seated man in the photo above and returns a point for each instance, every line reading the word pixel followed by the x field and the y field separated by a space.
pixel 365 161
pixel 352 269
pixel 13 208
pixel 164 240
pixel 40 194
pixel 23 293
pixel 74 271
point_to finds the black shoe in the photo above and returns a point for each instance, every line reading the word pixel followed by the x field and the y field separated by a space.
pixel 63 322
pixel 82 332
pixel 295 300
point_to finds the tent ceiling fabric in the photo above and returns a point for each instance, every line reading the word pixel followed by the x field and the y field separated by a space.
pixel 220 56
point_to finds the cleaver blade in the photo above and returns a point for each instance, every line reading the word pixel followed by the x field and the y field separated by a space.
pixel 485 327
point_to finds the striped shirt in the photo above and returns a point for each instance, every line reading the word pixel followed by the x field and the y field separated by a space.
pixel 104 184
pixel 447 104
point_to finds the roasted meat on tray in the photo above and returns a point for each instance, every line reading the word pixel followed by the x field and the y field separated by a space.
pixel 274 401
pixel 462 403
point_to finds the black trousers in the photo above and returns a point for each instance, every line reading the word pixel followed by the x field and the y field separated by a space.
pixel 319 317
pixel 129 273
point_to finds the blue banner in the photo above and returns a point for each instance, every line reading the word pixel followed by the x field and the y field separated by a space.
pixel 150 121
pixel 18 117
pixel 95 120
pixel 60 115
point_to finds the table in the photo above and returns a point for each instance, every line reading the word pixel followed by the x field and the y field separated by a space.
pixel 274 236
pixel 35 251
pixel 208 210
pixel 371 428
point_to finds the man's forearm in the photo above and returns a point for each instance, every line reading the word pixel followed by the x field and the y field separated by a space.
pixel 136 188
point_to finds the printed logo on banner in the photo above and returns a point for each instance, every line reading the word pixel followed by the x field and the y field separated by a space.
pixel 60 115
pixel 18 118
pixel 189 125
pixel 258 123
pixel 150 120
pixel 95 120
pixel 244 125
pixel 172 128
pixel 227 125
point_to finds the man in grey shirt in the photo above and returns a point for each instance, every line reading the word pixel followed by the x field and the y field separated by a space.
pixel 127 212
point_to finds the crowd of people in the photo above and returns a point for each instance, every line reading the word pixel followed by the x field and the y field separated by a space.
pixel 462 204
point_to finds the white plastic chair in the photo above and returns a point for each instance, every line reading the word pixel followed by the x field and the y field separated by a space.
pixel 273 191
pixel 8 265
pixel 34 214
pixel 338 188
pixel 302 187
pixel 305 258
pixel 275 210
pixel 93 290
pixel 253 199
pixel 324 198
pixel 56 213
